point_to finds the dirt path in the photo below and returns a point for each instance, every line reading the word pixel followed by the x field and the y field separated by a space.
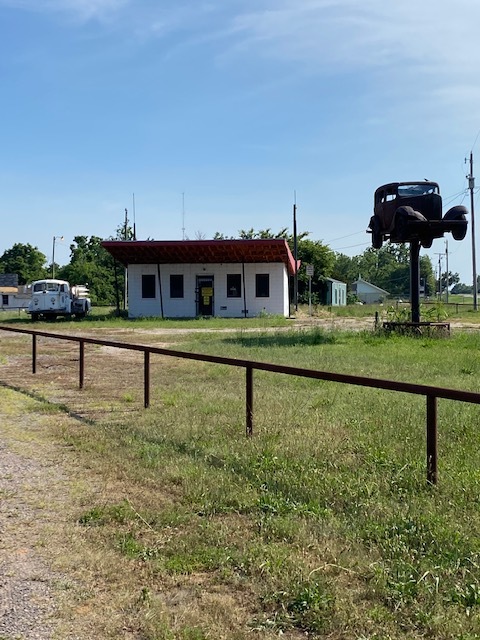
pixel 26 601
pixel 35 509
pixel 40 496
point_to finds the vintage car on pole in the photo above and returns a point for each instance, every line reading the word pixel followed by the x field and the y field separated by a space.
pixel 412 211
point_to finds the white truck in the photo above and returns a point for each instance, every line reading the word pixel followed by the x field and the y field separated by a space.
pixel 52 298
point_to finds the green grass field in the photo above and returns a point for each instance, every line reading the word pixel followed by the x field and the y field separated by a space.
pixel 322 525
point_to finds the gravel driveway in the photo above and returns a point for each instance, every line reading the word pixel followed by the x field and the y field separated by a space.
pixel 33 486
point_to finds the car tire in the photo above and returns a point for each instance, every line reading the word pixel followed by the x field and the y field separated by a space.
pixel 426 242
pixel 458 213
pixel 402 216
pixel 377 238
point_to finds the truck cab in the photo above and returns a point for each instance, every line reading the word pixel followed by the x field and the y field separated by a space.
pixel 52 298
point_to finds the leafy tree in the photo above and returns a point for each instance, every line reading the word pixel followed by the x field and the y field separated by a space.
pixel 460 287
pixel 27 261
pixel 124 231
pixel 312 252
pixel 387 268
pixel 346 268
pixel 92 265
pixel 322 259
pixel 453 278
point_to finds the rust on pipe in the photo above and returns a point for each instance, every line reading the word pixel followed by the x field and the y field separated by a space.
pixel 81 363
pixel 146 379
pixel 34 353
pixel 430 392
pixel 249 401
pixel 432 439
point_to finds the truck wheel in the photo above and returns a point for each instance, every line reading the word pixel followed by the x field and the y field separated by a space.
pixel 377 239
pixel 458 213
pixel 34 317
pixel 402 216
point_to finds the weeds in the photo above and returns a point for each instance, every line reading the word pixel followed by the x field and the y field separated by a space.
pixel 321 524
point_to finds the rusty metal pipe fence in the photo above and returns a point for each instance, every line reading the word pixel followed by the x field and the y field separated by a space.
pixel 431 393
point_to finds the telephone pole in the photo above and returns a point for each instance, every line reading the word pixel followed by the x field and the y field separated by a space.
pixel 440 256
pixel 446 267
pixel 295 254
pixel 471 186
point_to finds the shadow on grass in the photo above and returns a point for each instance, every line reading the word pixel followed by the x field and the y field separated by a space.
pixel 309 338
pixel 25 319
pixel 52 406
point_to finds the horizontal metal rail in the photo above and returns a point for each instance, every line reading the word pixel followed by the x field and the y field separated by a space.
pixel 431 393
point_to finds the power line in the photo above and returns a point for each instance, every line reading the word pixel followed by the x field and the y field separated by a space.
pixel 351 246
pixel 342 237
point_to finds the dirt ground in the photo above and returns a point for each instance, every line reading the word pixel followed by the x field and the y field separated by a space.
pixel 40 497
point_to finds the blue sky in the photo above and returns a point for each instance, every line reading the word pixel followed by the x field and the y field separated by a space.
pixel 237 104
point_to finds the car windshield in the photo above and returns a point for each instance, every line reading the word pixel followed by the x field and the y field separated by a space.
pixel 46 286
pixel 409 190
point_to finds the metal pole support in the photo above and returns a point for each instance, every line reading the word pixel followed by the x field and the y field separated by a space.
pixel 415 280
pixel 249 401
pixel 146 379
pixel 81 359
pixel 34 353
pixel 432 440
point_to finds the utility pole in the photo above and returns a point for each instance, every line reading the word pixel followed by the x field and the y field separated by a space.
pixel 440 256
pixel 471 186
pixel 53 254
pixel 125 291
pixel 295 254
pixel 446 272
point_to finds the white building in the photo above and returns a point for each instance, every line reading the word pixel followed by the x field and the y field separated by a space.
pixel 13 298
pixel 186 279
pixel 367 292
pixel 336 293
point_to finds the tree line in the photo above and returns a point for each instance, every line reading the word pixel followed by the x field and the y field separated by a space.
pixel 387 268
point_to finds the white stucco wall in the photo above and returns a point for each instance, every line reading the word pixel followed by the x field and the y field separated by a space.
pixel 369 294
pixel 337 295
pixel 277 303
pixel 15 301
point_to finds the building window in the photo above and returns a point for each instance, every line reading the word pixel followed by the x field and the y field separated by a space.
pixel 148 286
pixel 4 300
pixel 234 285
pixel 176 286
pixel 262 285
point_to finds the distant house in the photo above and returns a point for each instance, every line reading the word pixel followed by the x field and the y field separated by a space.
pixel 226 278
pixel 367 292
pixel 13 296
pixel 334 292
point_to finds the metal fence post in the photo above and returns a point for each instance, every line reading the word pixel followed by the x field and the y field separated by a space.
pixel 81 374
pixel 432 439
pixel 249 400
pixel 34 353
pixel 146 379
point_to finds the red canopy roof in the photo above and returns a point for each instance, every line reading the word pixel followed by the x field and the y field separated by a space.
pixel 200 251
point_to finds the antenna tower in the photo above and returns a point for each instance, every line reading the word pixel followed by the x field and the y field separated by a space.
pixel 183 215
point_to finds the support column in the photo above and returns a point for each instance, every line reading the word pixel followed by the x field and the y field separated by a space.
pixel 415 280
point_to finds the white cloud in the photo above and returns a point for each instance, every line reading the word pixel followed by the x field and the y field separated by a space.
pixel 81 10
pixel 373 33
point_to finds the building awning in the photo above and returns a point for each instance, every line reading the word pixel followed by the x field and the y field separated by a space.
pixel 200 252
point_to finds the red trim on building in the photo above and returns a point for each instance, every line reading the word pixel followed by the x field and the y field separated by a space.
pixel 200 251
